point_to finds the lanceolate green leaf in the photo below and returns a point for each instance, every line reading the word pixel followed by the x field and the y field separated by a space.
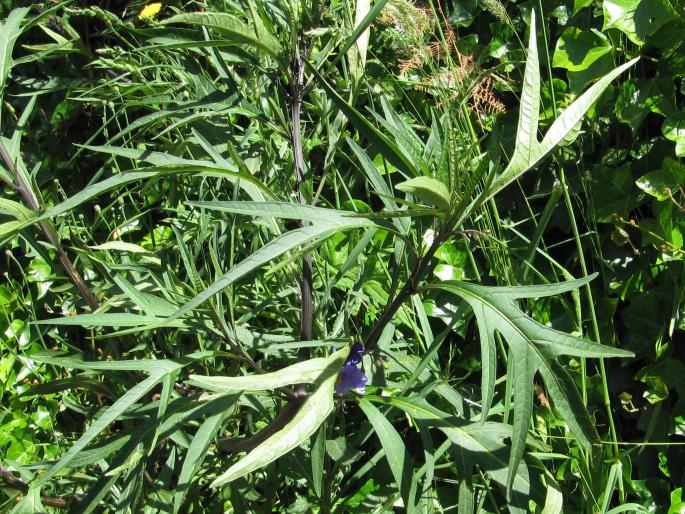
pixel 309 417
pixel 112 413
pixel 215 102
pixel 544 290
pixel 301 373
pixel 427 190
pixel 527 150
pixel 526 147
pixel 91 501
pixel 567 400
pixel 235 29
pixel 156 158
pixel 505 315
pixel 534 348
pixel 15 209
pixel 293 240
pixel 360 30
pixel 181 166
pixel 149 365
pixel 127 441
pixel 395 451
pixel 488 358
pixel 10 30
pixel 475 443
pixel 382 143
pixel 280 210
pixel 196 454
pixel 108 319
pixel 523 374
pixel 378 183
pixel 158 371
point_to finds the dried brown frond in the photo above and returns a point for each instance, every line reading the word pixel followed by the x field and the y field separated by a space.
pixel 484 98
pixel 459 72
pixel 408 26
pixel 435 49
pixel 416 61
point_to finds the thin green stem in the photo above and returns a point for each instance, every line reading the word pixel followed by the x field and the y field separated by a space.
pixel 583 265
pixel 593 316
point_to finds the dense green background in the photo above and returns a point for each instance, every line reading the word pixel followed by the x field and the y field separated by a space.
pixel 609 200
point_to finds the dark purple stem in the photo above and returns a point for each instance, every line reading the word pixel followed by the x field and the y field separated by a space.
pixel 32 201
pixel 307 299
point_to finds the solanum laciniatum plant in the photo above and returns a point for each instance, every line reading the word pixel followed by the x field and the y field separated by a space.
pixel 341 257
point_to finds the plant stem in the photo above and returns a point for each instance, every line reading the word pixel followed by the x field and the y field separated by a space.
pixel 50 233
pixel 593 316
pixel 407 290
pixel 297 93
pixel 246 444
pixel 16 483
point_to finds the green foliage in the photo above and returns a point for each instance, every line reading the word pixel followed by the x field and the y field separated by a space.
pixel 427 190
pixel 206 207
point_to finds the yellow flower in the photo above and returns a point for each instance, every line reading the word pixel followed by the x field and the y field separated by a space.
pixel 150 10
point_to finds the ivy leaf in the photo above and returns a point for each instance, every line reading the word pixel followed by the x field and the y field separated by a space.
pixel 533 348
pixel 580 4
pixel 674 130
pixel 577 49
pixel 587 55
pixel 636 98
pixel 637 19
pixel 663 182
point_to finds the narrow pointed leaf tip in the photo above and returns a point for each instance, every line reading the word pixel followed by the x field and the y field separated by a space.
pixel 528 150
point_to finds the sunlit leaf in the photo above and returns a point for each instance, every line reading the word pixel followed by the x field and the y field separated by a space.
pixel 427 190
pixel 308 418
pixel 534 348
